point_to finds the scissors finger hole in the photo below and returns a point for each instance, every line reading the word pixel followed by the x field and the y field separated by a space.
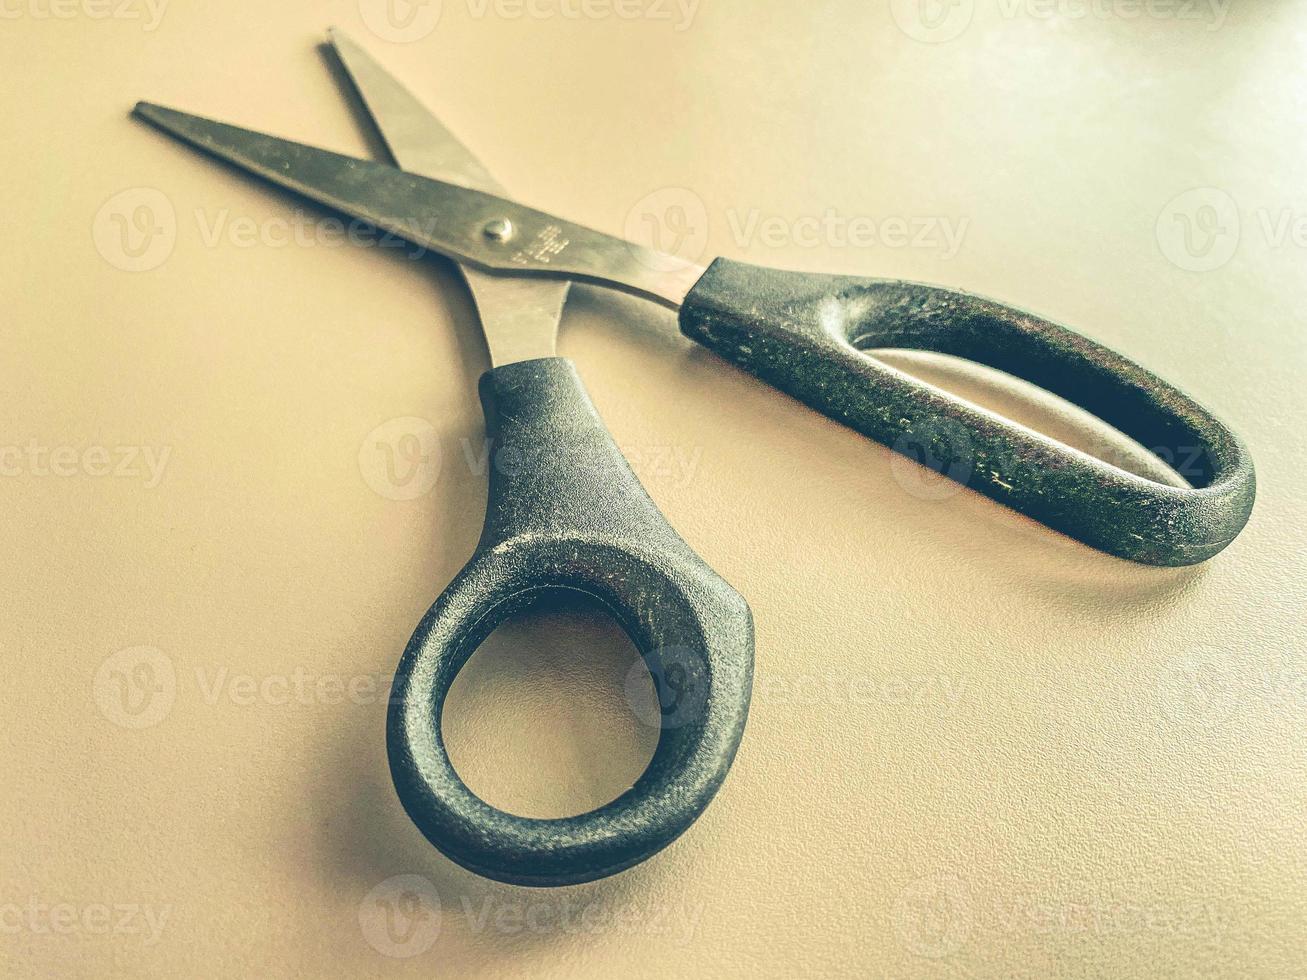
pixel 1047 413
pixel 541 721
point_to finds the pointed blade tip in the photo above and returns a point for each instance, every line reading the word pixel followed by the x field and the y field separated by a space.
pixel 336 37
pixel 153 112
pixel 170 121
pixel 150 112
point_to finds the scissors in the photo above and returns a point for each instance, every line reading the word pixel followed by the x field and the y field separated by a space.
pixel 568 515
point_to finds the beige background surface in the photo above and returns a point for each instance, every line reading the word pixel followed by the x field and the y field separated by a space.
pixel 976 748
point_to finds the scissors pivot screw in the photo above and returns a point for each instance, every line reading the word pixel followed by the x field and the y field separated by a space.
pixel 499 230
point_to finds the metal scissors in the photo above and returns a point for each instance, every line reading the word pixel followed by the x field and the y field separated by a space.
pixel 569 515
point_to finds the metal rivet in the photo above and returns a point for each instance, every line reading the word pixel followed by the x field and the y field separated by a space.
pixel 499 230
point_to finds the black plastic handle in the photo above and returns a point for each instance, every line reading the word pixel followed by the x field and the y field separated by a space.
pixel 805 334
pixel 566 513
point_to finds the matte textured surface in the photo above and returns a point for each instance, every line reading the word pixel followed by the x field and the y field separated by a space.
pixel 567 515
pixel 805 333
pixel 975 748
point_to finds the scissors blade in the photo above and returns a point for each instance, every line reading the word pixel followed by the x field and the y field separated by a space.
pixel 467 225
pixel 416 139
pixel 519 317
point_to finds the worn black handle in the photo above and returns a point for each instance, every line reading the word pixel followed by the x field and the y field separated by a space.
pixel 805 334
pixel 567 513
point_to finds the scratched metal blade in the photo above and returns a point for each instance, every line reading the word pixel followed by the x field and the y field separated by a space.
pixel 519 316
pixel 449 219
